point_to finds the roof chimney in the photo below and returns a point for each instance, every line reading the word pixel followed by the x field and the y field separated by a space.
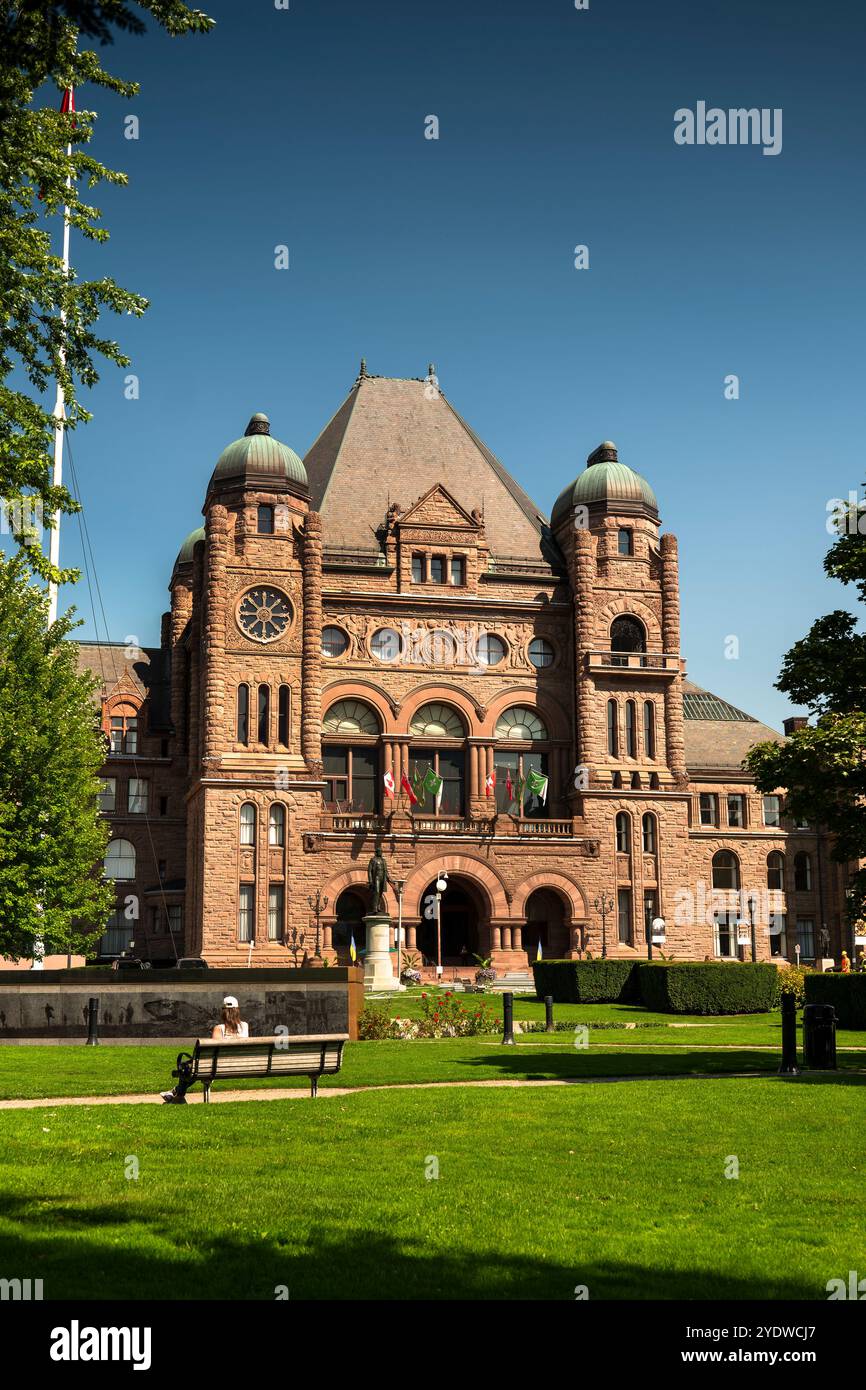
pixel 797 721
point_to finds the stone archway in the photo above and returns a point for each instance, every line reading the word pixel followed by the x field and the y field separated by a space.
pixel 463 924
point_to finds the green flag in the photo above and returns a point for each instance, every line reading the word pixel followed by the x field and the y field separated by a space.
pixel 418 785
pixel 537 783
pixel 433 784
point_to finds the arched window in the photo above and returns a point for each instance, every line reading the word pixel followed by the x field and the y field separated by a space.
pixel 612 729
pixel 123 730
pixel 520 723
pixel 625 541
pixel 283 717
pixel 623 833
pixel 277 825
pixel 248 824
pixel 265 520
pixel 726 870
pixel 350 717
pixel 649 729
pixel 243 726
pixel 437 721
pixel 627 634
pixel 264 715
pixel 802 872
pixel 119 862
pixel 649 833
pixel 631 729
pixel 776 871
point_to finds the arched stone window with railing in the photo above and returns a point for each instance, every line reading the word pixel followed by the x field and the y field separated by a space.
pixel 521 760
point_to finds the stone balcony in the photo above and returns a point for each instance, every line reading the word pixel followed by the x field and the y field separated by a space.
pixel 338 825
pixel 635 663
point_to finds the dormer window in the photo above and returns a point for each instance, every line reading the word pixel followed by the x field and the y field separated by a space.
pixel 625 541
pixel 458 570
pixel 437 569
pixel 417 569
pixel 266 521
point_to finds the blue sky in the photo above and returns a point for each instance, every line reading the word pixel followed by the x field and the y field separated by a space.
pixel 306 127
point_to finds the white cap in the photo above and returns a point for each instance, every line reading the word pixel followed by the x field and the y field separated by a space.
pixel 230 1002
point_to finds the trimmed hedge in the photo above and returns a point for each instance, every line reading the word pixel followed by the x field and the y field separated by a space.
pixel 587 981
pixel 709 987
pixel 847 994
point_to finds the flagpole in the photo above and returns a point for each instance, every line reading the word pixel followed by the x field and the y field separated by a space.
pixel 59 412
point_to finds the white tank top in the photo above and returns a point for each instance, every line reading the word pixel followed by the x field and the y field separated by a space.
pixel 243 1031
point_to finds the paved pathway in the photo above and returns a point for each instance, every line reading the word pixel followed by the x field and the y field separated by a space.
pixel 301 1092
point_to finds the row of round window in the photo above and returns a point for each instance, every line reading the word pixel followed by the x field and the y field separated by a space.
pixel 440 647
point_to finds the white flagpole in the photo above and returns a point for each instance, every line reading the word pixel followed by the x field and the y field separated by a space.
pixel 59 415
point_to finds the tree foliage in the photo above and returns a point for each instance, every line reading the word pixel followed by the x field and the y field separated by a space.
pixel 38 46
pixel 823 767
pixel 52 838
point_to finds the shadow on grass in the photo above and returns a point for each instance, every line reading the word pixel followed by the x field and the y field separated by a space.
pixel 577 1064
pixel 367 1264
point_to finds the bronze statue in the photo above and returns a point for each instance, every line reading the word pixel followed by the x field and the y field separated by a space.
pixel 824 938
pixel 377 877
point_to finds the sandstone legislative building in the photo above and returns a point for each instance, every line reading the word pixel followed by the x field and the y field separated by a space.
pixel 394 618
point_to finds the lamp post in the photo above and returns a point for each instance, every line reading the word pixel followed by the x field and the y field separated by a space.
pixel 604 905
pixel 750 908
pixel 399 884
pixel 648 928
pixel 295 942
pixel 441 885
pixel 318 905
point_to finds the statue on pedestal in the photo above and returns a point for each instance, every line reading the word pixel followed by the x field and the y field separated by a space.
pixel 824 937
pixel 377 878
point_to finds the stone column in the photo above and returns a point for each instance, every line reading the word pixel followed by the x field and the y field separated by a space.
pixel 674 738
pixel 311 664
pixel 213 713
pixel 181 609
pixel 584 614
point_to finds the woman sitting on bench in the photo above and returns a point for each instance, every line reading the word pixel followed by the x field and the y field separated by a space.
pixel 231 1026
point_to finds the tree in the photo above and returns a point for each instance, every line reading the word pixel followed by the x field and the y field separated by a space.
pixel 51 748
pixel 823 767
pixel 38 44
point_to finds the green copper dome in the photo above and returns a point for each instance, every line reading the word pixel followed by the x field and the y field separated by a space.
pixel 258 459
pixel 605 480
pixel 185 554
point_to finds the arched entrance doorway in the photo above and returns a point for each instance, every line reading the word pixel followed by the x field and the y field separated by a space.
pixel 349 912
pixel 461 914
pixel 545 922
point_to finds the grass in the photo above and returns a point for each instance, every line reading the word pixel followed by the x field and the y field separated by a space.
pixel 621 1188
pixel 75 1070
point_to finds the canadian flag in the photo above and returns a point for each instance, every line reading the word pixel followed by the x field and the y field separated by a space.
pixel 407 788
pixel 67 105
pixel 490 784
pixel 390 787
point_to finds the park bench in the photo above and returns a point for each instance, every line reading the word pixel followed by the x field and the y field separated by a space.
pixel 235 1059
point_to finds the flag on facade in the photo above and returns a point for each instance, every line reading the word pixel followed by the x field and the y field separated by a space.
pixel 537 783
pixel 353 951
pixel 538 952
pixel 406 786
pixel 390 786
pixel 433 784
pixel 490 784
pixel 509 787
pixel 67 105
pixel 418 787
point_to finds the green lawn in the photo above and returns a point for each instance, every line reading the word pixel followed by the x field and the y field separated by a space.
pixel 76 1070
pixel 618 1187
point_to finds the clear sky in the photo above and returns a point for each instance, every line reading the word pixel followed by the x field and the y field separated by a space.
pixel 305 127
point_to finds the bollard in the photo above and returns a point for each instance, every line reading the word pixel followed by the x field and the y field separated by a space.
pixel 789 1036
pixel 92 1023
pixel 819 1037
pixel 548 1014
pixel 508 1019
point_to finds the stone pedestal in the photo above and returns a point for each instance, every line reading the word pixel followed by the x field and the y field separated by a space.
pixel 378 967
pixel 826 963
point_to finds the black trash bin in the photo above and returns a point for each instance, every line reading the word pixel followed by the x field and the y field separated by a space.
pixel 819 1037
